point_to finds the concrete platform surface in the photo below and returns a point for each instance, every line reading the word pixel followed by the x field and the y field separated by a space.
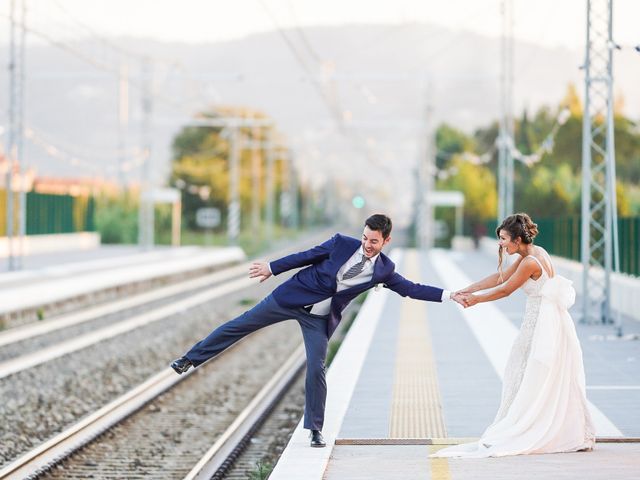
pixel 47 285
pixel 412 462
pixel 411 376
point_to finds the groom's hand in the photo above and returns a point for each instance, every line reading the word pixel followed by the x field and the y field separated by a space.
pixel 259 270
pixel 459 298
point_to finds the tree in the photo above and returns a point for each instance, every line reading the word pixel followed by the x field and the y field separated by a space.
pixel 552 186
pixel 451 141
pixel 572 101
pixel 551 192
pixel 200 166
pixel 478 185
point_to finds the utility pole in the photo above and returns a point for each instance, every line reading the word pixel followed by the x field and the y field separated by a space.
pixel 293 193
pixel 505 137
pixel 123 121
pixel 426 169
pixel 11 134
pixel 145 211
pixel 233 220
pixel 22 193
pixel 599 210
pixel 285 199
pixel 256 173
pixel 270 183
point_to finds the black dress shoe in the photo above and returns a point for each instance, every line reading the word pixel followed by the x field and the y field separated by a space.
pixel 181 365
pixel 317 440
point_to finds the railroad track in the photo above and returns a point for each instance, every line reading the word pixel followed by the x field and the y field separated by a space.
pixel 216 459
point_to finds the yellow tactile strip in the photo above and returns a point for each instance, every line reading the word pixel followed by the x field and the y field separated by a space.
pixel 439 466
pixel 416 407
pixel 405 441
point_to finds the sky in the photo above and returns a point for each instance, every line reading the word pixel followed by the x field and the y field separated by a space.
pixel 554 23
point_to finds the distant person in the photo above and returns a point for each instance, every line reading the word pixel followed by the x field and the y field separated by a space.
pixel 336 272
pixel 544 405
pixel 479 231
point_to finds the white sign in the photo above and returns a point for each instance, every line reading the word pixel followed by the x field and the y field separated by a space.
pixel 208 217
pixel 162 195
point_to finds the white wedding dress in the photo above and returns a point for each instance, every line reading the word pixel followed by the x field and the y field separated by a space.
pixel 544 406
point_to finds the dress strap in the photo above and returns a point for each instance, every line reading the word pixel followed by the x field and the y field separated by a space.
pixel 539 263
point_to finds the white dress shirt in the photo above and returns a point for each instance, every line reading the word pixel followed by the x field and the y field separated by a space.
pixel 323 307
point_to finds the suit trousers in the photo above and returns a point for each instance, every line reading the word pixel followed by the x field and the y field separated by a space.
pixel 269 312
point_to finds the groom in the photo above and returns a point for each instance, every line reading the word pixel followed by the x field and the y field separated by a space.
pixel 336 272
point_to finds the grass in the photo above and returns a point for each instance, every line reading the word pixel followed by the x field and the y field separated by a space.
pixel 261 472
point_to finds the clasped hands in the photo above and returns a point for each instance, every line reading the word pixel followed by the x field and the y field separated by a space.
pixel 464 298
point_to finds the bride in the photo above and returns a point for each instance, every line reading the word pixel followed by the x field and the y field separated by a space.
pixel 543 407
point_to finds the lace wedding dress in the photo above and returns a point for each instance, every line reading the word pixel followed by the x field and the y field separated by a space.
pixel 544 406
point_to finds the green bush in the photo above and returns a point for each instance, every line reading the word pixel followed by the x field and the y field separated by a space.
pixel 117 220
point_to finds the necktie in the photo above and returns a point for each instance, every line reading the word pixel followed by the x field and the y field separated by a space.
pixel 355 270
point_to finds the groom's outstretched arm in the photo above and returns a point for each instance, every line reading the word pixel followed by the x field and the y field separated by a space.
pixel 407 288
pixel 301 259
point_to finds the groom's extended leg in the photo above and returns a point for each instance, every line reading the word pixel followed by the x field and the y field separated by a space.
pixel 314 332
pixel 265 313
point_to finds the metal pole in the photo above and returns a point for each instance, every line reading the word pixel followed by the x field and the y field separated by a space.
pixel 256 167
pixel 22 194
pixel 123 120
pixel 586 178
pixel 11 134
pixel 611 173
pixel 599 215
pixel 146 213
pixel 429 172
pixel 233 221
pixel 285 198
pixel 426 170
pixel 293 193
pixel 270 190
pixel 509 128
pixel 176 214
pixel 505 157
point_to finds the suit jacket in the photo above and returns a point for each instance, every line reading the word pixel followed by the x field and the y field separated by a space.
pixel 318 281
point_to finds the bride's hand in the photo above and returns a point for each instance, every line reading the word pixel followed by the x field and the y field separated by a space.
pixel 469 300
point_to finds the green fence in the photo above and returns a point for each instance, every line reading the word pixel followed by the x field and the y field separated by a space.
pixel 562 237
pixel 48 214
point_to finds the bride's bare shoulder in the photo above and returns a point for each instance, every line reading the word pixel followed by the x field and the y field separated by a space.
pixel 544 255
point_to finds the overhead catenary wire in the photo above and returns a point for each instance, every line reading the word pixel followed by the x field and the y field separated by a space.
pixel 113 69
pixel 330 103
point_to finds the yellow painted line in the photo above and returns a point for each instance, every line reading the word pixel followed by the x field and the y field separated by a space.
pixel 416 407
pixel 444 442
pixel 439 466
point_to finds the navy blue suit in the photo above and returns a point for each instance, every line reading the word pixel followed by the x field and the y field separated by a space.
pixel 308 286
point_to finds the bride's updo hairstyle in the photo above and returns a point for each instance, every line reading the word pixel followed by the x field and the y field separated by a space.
pixel 517 225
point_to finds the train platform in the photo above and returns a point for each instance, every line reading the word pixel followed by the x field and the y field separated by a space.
pixel 412 377
pixel 55 279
